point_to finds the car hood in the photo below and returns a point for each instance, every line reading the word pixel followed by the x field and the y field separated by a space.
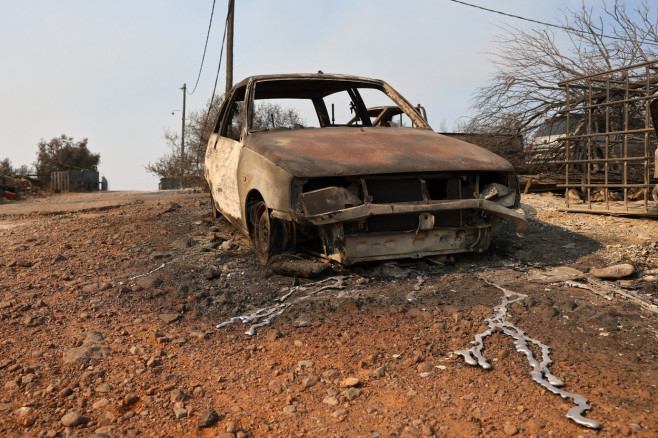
pixel 315 152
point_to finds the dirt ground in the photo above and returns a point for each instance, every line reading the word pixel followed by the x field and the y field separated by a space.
pixel 109 306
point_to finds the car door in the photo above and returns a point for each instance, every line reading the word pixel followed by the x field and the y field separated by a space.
pixel 223 155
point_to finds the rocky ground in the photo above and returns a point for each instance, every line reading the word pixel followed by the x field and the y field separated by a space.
pixel 109 305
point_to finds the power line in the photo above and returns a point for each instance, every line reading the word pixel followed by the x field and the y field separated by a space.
pixel 557 26
pixel 219 66
pixel 205 47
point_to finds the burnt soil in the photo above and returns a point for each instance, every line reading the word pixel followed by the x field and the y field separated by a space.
pixel 109 307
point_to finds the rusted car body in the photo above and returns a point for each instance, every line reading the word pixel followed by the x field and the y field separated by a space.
pixel 353 191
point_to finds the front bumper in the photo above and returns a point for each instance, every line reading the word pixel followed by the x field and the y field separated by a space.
pixel 366 210
pixel 426 241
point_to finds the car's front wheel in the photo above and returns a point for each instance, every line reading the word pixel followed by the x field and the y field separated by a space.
pixel 269 234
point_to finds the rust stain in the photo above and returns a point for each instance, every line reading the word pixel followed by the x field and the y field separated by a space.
pixel 356 151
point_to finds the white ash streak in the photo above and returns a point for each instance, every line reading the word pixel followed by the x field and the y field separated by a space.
pixel 134 277
pixel 540 372
pixel 266 314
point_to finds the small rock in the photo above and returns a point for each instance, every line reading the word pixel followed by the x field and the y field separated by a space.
pixel 352 393
pixel 148 282
pixel 340 413
pixel 199 392
pixel 379 372
pixel 289 409
pixel 96 287
pixel 137 349
pixel 153 362
pixel 350 382
pixel 305 364
pixel 330 400
pixel 85 354
pixel 308 382
pixel 130 399
pixel 26 416
pixel 330 373
pixel 104 388
pixel 65 392
pixel 106 418
pixel 100 404
pixel 160 338
pixel 180 413
pixel 425 368
pixel 208 418
pixel 177 395
pixel 73 419
pixel 613 272
pixel 169 317
pixel 104 286
pixel 510 429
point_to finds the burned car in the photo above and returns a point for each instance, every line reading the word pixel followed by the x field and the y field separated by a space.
pixel 296 160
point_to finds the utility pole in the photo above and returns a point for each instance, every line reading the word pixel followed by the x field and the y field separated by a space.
pixel 229 47
pixel 182 139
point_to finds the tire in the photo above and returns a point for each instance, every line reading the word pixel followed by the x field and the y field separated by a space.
pixel 269 234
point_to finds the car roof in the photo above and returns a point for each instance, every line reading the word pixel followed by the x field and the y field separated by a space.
pixel 310 76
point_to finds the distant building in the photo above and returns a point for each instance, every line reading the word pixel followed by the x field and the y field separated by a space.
pixel 168 184
pixel 75 181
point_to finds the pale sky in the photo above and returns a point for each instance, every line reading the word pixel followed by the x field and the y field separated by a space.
pixel 112 71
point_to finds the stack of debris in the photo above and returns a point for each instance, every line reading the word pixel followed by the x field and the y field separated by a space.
pixel 15 188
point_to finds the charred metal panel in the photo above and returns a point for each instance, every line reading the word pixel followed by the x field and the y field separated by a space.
pixel 327 200
pixel 367 210
pixel 315 152
pixel 221 168
pixel 272 183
